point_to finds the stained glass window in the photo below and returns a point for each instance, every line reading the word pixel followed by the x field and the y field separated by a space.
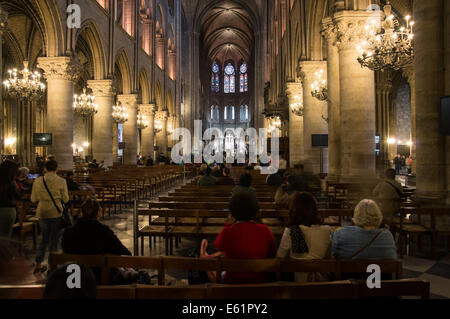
pixel 243 78
pixel 215 82
pixel 229 79
pixel 244 113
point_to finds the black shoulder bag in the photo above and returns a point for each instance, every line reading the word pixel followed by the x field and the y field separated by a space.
pixel 66 217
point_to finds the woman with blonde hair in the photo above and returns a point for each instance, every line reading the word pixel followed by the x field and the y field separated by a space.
pixel 364 240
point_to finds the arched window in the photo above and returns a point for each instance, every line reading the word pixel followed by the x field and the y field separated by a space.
pixel 215 80
pixel 244 113
pixel 229 81
pixel 232 113
pixel 243 78
pixel 215 113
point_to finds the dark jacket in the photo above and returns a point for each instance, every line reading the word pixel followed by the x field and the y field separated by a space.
pixel 90 237
pixel 225 181
pixel 10 195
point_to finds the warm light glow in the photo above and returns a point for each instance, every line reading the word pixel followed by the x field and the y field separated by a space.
pixel 391 140
pixel 86 144
pixel 10 141
pixel 84 105
pixel 28 87
pixel 410 143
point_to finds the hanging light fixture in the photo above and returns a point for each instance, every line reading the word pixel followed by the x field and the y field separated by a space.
pixel 142 122
pixel 297 107
pixel 319 87
pixel 84 105
pixel 158 126
pixel 119 113
pixel 24 85
pixel 388 47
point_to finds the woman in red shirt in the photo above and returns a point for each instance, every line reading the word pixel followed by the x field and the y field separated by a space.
pixel 245 239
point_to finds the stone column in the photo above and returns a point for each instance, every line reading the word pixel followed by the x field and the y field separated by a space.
pixel 147 27
pixel 334 115
pixel 410 76
pixel 357 100
pixel 429 79
pixel 160 45
pixel 171 123
pixel 172 65
pixel 314 110
pixel 130 131
pixel 103 132
pixel 3 25
pixel 161 137
pixel 294 92
pixel 148 140
pixel 60 73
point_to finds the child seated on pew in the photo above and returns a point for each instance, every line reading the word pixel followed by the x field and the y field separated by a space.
pixel 305 238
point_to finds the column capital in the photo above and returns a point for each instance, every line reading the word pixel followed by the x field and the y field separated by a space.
pixel 328 31
pixel 307 70
pixel 294 89
pixel 101 88
pixel 147 109
pixel 60 68
pixel 410 74
pixel 3 20
pixel 162 115
pixel 128 100
pixel 350 29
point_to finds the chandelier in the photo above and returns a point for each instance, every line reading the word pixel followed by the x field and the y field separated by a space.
pixel 84 105
pixel 27 87
pixel 142 122
pixel 319 87
pixel 119 113
pixel 388 47
pixel 158 126
pixel 297 107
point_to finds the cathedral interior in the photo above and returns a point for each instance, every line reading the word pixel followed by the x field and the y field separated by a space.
pixel 348 88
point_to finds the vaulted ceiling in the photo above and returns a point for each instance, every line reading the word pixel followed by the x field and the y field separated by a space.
pixel 227 32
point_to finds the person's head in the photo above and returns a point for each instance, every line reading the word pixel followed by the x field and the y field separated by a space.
pixel 69 175
pixel 94 161
pixel 390 173
pixel 90 209
pixel 8 172
pixel 51 158
pixel 203 167
pixel 245 180
pixel 367 214
pixel 303 210
pixel 23 173
pixel 57 287
pixel 243 206
pixel 226 172
pixel 51 166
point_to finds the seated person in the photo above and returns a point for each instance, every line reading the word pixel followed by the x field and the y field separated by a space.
pixel 389 194
pixel 245 185
pixel 245 239
pixel 22 181
pixel 56 284
pixel 149 161
pixel 283 193
pixel 305 238
pixel 225 179
pixel 207 179
pixel 274 179
pixel 216 171
pixel 93 164
pixel 71 184
pixel 90 237
pixel 364 240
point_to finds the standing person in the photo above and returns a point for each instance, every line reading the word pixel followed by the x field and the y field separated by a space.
pixel 403 163
pixel 397 164
pixel 9 194
pixel 409 162
pixel 47 212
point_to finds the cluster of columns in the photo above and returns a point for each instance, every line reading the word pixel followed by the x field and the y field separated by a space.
pixel 61 74
pixel 351 100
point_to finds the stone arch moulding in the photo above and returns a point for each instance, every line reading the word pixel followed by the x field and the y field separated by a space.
pixel 54 31
pixel 145 86
pixel 170 104
pixel 124 65
pixel 95 42
pixel 159 96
